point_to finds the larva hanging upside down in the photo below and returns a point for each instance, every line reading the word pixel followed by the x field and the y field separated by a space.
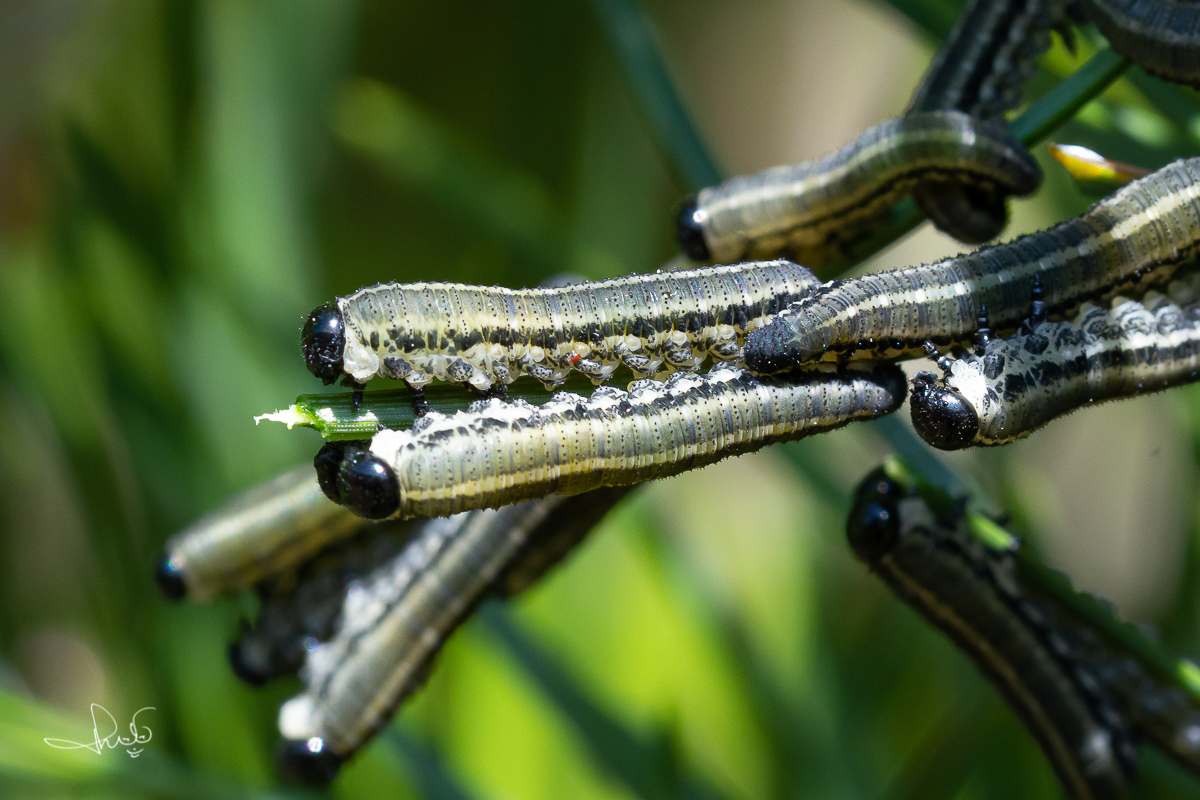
pixel 489 336
pixel 809 211
pixel 1011 387
pixel 972 594
pixel 498 453
pixel 1131 240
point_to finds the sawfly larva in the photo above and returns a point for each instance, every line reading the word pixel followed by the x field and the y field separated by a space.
pixel 812 210
pixel 1160 36
pixel 498 453
pixel 299 606
pixel 485 336
pixel 255 534
pixel 1008 388
pixel 979 70
pixel 395 620
pixel 973 595
pixel 1133 239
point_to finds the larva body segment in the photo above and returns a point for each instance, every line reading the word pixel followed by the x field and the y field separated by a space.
pixel 1129 241
pixel 810 211
pixel 979 70
pixel 300 606
pixel 396 619
pixel 1019 384
pixel 255 534
pixel 498 453
pixel 1162 37
pixel 973 595
pixel 483 336
pixel 990 53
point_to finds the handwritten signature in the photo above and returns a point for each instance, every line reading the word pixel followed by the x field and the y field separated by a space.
pixel 111 740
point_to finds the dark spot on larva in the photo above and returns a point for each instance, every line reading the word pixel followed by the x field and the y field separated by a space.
pixel 1036 344
pixel 1014 384
pixel 374 340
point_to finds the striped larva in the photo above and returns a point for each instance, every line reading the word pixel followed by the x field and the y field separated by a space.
pixel 1159 712
pixel 489 336
pixel 973 595
pixel 1162 36
pixel 255 534
pixel 394 621
pixel 979 70
pixel 299 606
pixel 811 210
pixel 498 453
pixel 1135 238
pixel 1009 388
pixel 991 51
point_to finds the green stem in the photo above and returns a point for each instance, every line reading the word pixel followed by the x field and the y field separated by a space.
pixel 633 39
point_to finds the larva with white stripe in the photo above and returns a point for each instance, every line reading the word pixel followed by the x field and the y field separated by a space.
pixel 973 595
pixel 394 621
pixel 1129 241
pixel 812 210
pixel 979 69
pixel 255 534
pixel 498 453
pixel 489 336
pixel 1011 387
pixel 1162 36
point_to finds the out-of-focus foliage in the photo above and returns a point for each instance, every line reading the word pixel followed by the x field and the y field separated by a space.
pixel 181 181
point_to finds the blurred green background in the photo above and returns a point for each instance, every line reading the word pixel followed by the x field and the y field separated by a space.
pixel 180 182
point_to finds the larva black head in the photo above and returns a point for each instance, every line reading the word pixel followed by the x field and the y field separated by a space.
pixel 873 524
pixel 690 233
pixel 942 416
pixel 323 338
pixel 169 577
pixel 308 761
pixel 367 486
pixel 771 349
pixel 328 461
pixel 244 664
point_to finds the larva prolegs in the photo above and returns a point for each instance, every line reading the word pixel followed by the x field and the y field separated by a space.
pixel 974 596
pixel 498 453
pixel 1133 239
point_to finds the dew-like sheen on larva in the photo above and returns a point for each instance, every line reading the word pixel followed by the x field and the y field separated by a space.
pixel 497 453
pixel 484 336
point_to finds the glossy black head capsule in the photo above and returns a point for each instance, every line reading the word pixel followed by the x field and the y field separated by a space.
pixel 169 577
pixel 323 338
pixel 690 233
pixel 328 461
pixel 942 416
pixel 874 524
pixel 308 762
pixel 366 485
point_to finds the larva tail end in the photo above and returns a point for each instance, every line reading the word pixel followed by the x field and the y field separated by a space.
pixel 873 524
pixel 323 339
pixel 169 577
pixel 968 213
pixel 771 349
pixel 367 486
pixel 943 417
pixel 689 232
pixel 308 762
pixel 242 667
